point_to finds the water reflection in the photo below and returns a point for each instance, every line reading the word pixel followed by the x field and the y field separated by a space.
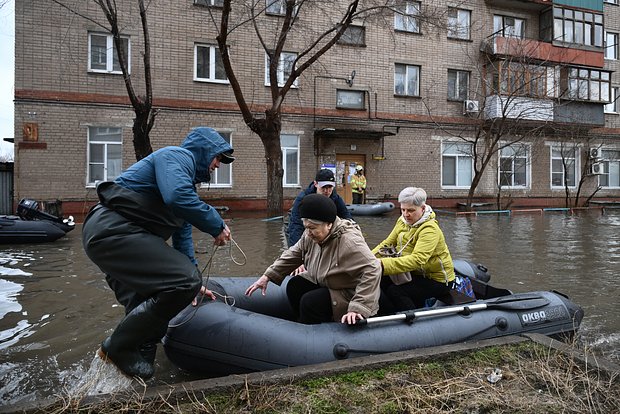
pixel 55 307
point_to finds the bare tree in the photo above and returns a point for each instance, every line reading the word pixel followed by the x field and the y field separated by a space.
pixel 142 104
pixel 318 41
pixel 519 94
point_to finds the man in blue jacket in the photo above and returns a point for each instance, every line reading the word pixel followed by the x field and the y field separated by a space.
pixel 324 183
pixel 125 236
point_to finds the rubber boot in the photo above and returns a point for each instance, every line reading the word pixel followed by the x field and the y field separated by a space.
pixel 123 347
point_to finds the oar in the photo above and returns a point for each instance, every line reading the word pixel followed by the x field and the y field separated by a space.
pixel 522 302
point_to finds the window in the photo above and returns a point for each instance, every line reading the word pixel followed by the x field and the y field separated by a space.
pixel 561 156
pixel 222 176
pixel 350 99
pixel 589 85
pixel 285 67
pixel 508 26
pixel 456 165
pixel 575 26
pixel 458 85
pixel 277 7
pixel 406 80
pixel 290 159
pixel 611 169
pixel 353 35
pixel 103 56
pixel 610 1
pixel 517 79
pixel 611 46
pixel 513 166
pixel 209 66
pixel 215 3
pixel 612 107
pixel 405 17
pixel 459 22
pixel 105 146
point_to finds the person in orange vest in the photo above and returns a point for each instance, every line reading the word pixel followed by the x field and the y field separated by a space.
pixel 358 185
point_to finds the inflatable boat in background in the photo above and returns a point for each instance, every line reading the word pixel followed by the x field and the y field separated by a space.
pixel 32 225
pixel 372 209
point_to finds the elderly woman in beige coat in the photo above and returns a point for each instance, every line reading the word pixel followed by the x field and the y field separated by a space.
pixel 342 277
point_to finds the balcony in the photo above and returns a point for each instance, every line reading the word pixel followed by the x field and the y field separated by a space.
pixel 519 108
pixel 520 4
pixel 531 49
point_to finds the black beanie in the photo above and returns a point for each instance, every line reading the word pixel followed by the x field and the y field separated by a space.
pixel 318 207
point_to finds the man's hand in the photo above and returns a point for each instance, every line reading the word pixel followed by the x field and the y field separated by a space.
pixel 223 237
pixel 204 292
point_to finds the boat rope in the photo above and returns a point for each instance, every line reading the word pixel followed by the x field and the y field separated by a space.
pixel 229 300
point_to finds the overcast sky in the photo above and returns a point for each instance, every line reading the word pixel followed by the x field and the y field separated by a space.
pixel 7 78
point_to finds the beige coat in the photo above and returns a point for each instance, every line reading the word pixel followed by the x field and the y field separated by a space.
pixel 343 263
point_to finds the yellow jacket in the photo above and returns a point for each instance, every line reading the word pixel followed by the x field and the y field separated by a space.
pixel 358 181
pixel 426 254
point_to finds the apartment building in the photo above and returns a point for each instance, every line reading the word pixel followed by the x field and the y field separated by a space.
pixel 414 94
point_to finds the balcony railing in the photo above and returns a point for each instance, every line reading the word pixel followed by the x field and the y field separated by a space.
pixel 541 51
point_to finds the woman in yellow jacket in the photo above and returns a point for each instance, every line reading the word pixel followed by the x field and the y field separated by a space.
pixel 422 251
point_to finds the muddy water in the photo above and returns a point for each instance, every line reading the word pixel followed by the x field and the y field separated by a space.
pixel 55 307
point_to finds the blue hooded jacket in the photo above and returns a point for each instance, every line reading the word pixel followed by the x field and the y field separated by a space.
pixel 172 173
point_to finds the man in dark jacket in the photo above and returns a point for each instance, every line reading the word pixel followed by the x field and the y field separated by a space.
pixel 125 236
pixel 324 183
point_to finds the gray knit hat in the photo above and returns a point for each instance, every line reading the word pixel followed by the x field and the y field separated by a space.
pixel 318 207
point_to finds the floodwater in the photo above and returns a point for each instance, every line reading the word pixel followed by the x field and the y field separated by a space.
pixel 55 307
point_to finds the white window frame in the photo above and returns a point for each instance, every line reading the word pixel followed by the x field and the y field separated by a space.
pixel 406 81
pixel 286 151
pixel 457 85
pixel 555 156
pixel 611 166
pixel 284 69
pixel 611 1
pixel 502 26
pixel 405 17
pixel 462 156
pixel 459 25
pixel 611 45
pixel 214 52
pixel 612 107
pixel 109 57
pixel 92 137
pixel 511 153
pixel 217 179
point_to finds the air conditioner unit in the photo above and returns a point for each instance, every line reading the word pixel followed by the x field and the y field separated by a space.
pixel 595 153
pixel 471 107
pixel 596 168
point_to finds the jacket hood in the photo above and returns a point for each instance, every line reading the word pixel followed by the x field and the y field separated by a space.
pixel 205 144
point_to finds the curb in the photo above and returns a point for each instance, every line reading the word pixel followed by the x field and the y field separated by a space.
pixel 184 391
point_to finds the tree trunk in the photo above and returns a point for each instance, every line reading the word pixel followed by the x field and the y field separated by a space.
pixel 141 128
pixel 270 135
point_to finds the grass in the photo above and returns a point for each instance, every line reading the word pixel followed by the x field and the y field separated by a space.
pixel 535 379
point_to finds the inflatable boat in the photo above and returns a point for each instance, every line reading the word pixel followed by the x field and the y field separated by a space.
pixel 241 334
pixel 31 225
pixel 372 209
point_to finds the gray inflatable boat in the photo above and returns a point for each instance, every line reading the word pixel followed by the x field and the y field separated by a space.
pixel 243 334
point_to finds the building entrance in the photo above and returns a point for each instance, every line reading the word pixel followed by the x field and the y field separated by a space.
pixel 345 168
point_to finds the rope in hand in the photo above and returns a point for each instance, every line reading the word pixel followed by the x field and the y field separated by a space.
pixel 205 279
